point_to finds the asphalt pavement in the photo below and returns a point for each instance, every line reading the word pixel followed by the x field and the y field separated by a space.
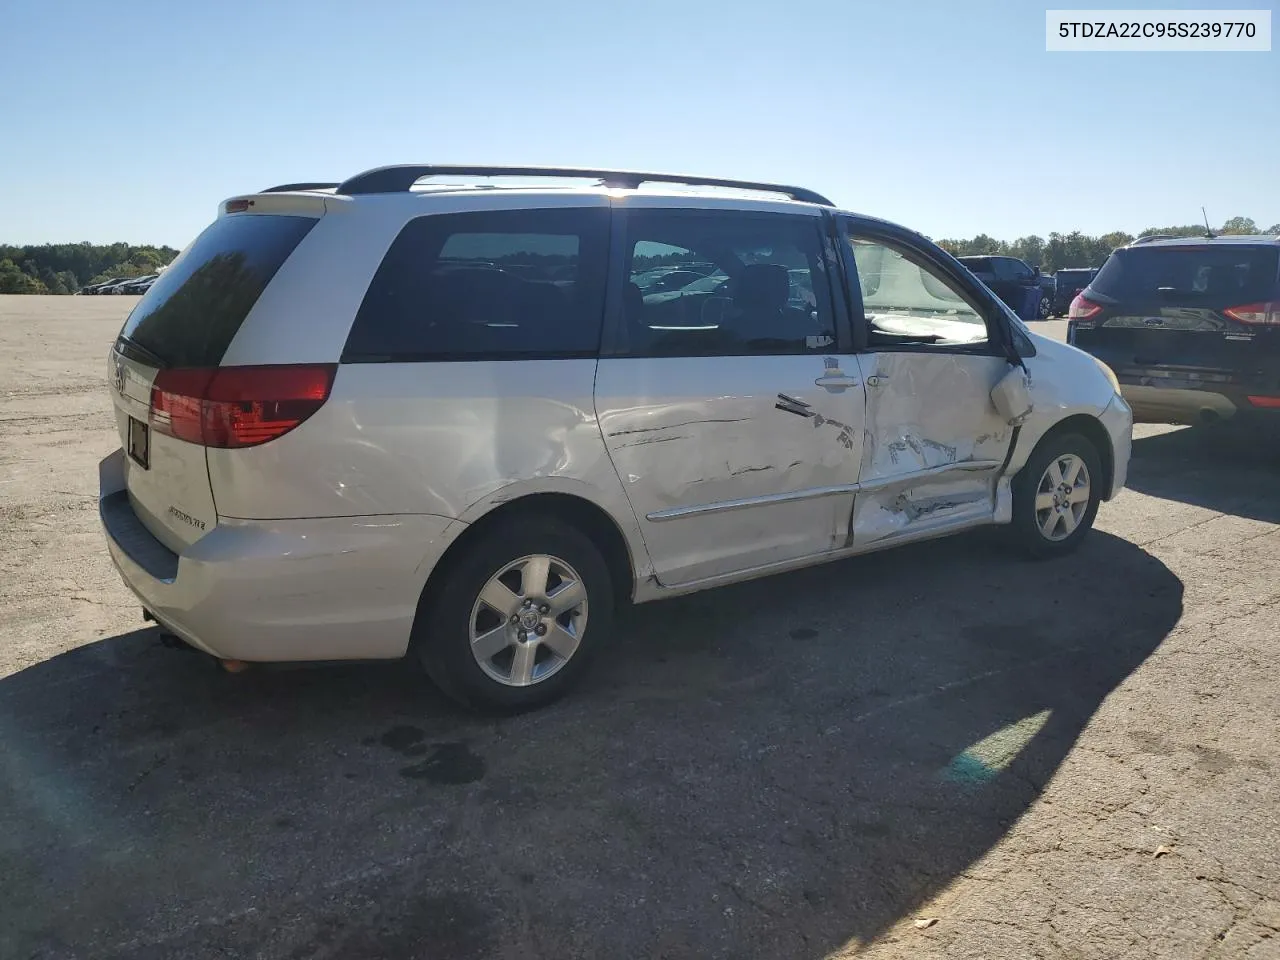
pixel 939 751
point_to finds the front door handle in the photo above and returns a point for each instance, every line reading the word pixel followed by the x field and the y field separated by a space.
pixel 837 380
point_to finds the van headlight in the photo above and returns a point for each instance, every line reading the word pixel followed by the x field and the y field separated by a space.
pixel 1109 373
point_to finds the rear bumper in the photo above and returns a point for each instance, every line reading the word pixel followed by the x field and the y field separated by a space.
pixel 262 590
pixel 1199 382
pixel 1178 404
pixel 1167 399
pixel 1117 420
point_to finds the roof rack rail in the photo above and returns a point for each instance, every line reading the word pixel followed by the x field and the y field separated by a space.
pixel 400 177
pixel 1154 236
pixel 288 187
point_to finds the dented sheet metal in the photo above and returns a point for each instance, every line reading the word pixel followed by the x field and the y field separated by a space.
pixel 690 435
pixel 933 442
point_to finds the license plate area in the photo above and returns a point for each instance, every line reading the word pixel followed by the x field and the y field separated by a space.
pixel 140 443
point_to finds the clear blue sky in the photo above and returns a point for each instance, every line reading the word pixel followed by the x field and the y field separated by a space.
pixel 131 122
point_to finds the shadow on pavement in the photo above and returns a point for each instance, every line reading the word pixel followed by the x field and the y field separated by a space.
pixel 1229 469
pixel 769 770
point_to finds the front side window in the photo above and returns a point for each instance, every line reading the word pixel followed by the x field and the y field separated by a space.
pixel 908 302
pixel 724 283
pixel 497 285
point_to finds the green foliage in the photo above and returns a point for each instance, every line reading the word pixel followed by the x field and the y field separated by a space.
pixel 1075 249
pixel 14 280
pixel 1240 225
pixel 66 267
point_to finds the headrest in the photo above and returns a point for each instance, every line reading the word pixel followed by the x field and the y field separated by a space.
pixel 762 285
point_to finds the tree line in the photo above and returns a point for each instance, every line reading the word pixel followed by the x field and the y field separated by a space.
pixel 1076 249
pixel 63 268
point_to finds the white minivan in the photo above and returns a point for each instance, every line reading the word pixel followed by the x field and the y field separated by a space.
pixel 468 413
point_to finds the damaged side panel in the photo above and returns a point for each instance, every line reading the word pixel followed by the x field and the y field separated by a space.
pixel 934 443
pixel 732 462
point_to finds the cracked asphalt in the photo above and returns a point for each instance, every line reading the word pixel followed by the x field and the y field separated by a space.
pixel 941 751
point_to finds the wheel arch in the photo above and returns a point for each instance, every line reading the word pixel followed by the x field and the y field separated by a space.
pixel 579 512
pixel 1091 428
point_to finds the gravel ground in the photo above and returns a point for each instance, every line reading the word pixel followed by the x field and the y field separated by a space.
pixel 936 752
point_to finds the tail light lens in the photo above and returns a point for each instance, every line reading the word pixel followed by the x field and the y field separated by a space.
pixel 1269 403
pixel 237 406
pixel 1266 312
pixel 1082 309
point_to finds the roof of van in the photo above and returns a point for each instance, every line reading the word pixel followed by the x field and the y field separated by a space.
pixel 405 177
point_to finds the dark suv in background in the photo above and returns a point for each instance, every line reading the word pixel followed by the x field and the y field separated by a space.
pixel 1069 281
pixel 1028 293
pixel 1191 326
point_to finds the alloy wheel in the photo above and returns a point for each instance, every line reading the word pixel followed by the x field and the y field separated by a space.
pixel 1062 497
pixel 528 620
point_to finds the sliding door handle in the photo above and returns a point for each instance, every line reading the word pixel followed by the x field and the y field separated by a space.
pixel 838 381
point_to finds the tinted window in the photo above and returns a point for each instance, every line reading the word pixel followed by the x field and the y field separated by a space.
pixel 191 313
pixel 1223 275
pixel 725 283
pixel 908 301
pixel 509 284
pixel 1007 268
pixel 977 264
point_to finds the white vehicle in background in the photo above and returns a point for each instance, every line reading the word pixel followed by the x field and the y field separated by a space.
pixel 403 415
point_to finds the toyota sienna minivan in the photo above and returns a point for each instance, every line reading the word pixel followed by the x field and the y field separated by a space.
pixel 433 411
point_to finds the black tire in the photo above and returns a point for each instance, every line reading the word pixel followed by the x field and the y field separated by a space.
pixel 442 639
pixel 1046 308
pixel 1026 529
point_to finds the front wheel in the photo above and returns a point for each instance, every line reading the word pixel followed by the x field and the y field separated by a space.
pixel 515 620
pixel 1056 495
pixel 1046 308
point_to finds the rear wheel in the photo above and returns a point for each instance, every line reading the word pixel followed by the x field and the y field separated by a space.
pixel 515 620
pixel 1046 308
pixel 1056 495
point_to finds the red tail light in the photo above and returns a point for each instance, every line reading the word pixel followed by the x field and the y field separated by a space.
pixel 237 406
pixel 1270 403
pixel 1082 309
pixel 1266 312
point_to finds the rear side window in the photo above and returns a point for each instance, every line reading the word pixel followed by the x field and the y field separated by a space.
pixel 724 283
pixel 496 285
pixel 1213 274
pixel 191 313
